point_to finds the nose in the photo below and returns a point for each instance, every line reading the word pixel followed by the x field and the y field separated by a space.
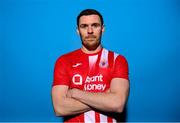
pixel 90 30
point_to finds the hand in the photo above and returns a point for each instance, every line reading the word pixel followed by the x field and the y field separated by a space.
pixel 73 92
pixel 107 91
pixel 77 93
pixel 69 93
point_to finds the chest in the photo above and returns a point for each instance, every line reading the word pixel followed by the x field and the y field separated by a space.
pixel 92 77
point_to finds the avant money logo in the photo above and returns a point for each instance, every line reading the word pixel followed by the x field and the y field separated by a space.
pixel 91 82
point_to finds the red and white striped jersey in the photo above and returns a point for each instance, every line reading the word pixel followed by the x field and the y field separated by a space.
pixel 92 73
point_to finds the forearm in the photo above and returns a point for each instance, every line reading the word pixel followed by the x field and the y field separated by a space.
pixel 64 104
pixel 70 106
pixel 101 101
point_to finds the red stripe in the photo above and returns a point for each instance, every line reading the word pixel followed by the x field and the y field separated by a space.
pixel 82 117
pixel 110 58
pixel 97 117
pixel 110 120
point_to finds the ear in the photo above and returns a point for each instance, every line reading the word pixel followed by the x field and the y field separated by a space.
pixel 77 30
pixel 103 28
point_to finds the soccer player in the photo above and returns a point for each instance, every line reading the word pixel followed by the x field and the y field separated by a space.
pixel 91 83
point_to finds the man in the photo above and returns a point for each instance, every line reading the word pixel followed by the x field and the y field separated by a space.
pixel 91 83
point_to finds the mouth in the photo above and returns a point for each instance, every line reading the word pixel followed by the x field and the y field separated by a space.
pixel 91 37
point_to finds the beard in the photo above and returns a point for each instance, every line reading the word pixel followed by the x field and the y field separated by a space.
pixel 91 42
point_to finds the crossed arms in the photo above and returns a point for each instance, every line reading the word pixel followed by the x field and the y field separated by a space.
pixel 74 101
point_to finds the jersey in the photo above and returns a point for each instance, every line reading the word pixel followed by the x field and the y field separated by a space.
pixel 92 73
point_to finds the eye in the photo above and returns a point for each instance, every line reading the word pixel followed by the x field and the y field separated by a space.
pixel 83 26
pixel 96 25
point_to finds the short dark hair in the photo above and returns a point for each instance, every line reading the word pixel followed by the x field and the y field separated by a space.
pixel 89 12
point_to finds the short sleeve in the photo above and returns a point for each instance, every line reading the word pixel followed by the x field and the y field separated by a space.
pixel 61 76
pixel 120 69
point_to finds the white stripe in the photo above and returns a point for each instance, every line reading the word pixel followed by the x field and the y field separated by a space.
pixel 92 60
pixel 114 121
pixel 115 56
pixel 89 117
pixel 103 118
pixel 104 58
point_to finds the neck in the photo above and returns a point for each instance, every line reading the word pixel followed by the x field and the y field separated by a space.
pixel 85 50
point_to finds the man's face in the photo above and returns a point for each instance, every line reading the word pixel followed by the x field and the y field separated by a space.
pixel 90 30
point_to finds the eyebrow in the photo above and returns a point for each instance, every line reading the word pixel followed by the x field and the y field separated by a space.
pixel 97 24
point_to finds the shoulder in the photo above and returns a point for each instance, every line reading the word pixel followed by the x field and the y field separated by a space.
pixel 68 56
pixel 117 56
